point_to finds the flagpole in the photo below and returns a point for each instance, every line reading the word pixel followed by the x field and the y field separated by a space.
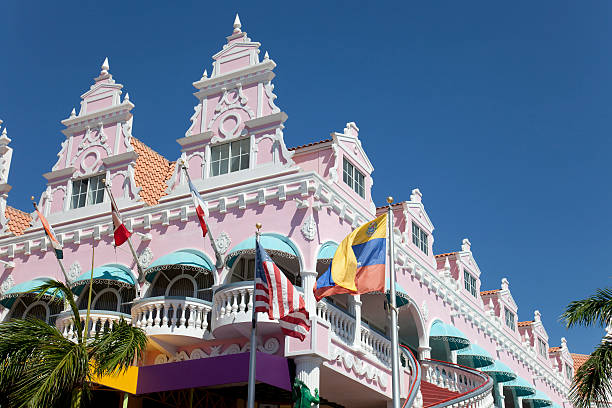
pixel 93 250
pixel 395 393
pixel 252 355
pixel 219 259
pixel 129 241
pixel 59 261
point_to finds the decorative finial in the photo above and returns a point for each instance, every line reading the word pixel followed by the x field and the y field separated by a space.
pixel 4 132
pixel 390 200
pixel 416 196
pixel 505 285
pixel 237 24
pixel 205 74
pixel 105 66
pixel 32 198
pixel 127 97
pixel 73 113
pixel 266 56
pixel 1 121
pixel 466 245
pixel 258 226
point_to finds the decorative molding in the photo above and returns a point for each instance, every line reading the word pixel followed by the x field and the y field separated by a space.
pixel 74 271
pixel 225 104
pixel 223 242
pixel 7 284
pixel 197 109
pixel 60 155
pixel 425 311
pixel 360 367
pixel 309 228
pixel 269 87
pixel 146 257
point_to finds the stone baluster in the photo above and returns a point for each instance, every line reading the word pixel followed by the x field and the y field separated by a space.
pixel 173 319
pixel 250 301
pixel 165 318
pixel 157 320
pixel 192 313
pixel 221 302
pixel 182 314
pixel 204 318
pixel 242 305
pixel 149 316
pixel 356 307
pixel 198 317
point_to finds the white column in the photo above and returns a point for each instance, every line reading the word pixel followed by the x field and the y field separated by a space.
pixel 424 352
pixel 502 400
pixel 356 309
pixel 307 370
pixel 308 282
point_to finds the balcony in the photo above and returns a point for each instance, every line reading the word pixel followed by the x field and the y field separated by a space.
pixel 165 317
pixel 100 320
pixel 232 312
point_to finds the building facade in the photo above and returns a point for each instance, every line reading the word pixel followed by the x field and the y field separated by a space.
pixel 197 312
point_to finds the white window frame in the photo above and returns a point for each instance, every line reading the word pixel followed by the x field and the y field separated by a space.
pixel 242 155
pixel 352 177
pixel 420 238
pixel 542 347
pixel 94 303
pixel 509 318
pixel 469 283
pixel 88 193
pixel 38 303
pixel 569 372
pixel 183 276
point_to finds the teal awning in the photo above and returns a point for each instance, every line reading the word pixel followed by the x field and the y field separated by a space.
pixel 327 251
pixel 185 257
pixel 521 387
pixel 539 399
pixel 474 356
pixel 272 243
pixel 8 299
pixel 448 333
pixel 119 275
pixel 499 372
pixel 401 296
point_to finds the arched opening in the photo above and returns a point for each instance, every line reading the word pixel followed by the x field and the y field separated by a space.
pixel 107 299
pixel 108 295
pixel 411 328
pixel 183 280
pixel 28 306
pixel 243 268
pixel 182 285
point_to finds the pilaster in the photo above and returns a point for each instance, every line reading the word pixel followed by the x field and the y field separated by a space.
pixel 309 279
pixel 307 370
pixel 424 353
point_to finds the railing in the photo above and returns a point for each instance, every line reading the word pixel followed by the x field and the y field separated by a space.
pixel 99 321
pixel 473 386
pixel 173 315
pixel 375 344
pixel 409 361
pixel 341 324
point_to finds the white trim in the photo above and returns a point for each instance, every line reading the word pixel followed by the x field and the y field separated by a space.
pixel 179 277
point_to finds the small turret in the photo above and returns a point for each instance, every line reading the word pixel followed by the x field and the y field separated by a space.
pixel 6 154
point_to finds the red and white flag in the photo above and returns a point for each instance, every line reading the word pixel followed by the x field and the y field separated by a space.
pixel 200 207
pixel 275 295
pixel 121 233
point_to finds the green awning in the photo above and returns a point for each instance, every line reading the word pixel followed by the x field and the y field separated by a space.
pixel 448 333
pixel 539 399
pixel 474 356
pixel 8 299
pixel 189 258
pixel 327 251
pixel 499 372
pixel 116 274
pixel 521 387
pixel 272 243
pixel 401 296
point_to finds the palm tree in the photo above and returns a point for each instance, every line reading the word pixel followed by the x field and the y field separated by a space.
pixel 41 368
pixel 592 384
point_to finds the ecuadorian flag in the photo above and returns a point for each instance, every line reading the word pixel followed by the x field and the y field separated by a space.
pixel 358 265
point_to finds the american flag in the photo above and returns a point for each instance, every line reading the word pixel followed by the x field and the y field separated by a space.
pixel 275 295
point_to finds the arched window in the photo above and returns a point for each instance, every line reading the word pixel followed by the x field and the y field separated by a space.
pixel 183 280
pixel 244 268
pixel 38 310
pixel 27 305
pixel 108 295
pixel 182 285
pixel 107 299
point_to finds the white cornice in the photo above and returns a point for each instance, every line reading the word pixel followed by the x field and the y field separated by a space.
pixel 280 117
pixel 111 161
pixel 194 139
pixel 117 113
pixel 59 174
pixel 261 72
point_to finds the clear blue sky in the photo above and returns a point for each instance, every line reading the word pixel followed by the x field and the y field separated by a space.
pixel 499 113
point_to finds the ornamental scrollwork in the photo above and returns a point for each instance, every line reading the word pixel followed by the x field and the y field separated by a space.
pixel 146 257
pixel 74 271
pixel 309 228
pixel 223 242
pixel 7 284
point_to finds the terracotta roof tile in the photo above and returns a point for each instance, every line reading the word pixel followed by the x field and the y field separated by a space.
pixel 554 349
pixel 151 172
pixel 446 254
pixel 579 360
pixel 489 292
pixel 19 221
pixel 392 205
pixel 309 144
pixel 524 324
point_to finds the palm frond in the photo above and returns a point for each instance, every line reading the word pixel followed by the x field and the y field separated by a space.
pixel 58 288
pixel 596 309
pixel 592 385
pixel 115 350
pixel 38 365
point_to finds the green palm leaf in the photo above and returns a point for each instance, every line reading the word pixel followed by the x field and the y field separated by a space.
pixel 115 350
pixel 592 383
pixel 596 309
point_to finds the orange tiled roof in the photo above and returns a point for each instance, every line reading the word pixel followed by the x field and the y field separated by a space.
pixel 446 254
pixel 489 292
pixel 151 172
pixel 19 221
pixel 579 360
pixel 309 144
pixel 392 205
pixel 526 323
pixel 554 349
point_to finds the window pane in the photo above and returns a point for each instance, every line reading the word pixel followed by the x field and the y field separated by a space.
pixel 219 159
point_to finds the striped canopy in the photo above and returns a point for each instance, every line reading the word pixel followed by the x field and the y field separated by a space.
pixel 189 258
pixel 114 273
pixel 539 399
pixel 499 372
pixel 474 356
pixel 448 333
pixel 272 243
pixel 521 387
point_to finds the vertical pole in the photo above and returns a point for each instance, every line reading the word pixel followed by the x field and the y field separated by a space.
pixel 394 343
pixel 93 249
pixel 252 355
pixel 59 261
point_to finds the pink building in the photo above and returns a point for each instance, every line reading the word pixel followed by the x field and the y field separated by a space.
pixel 308 198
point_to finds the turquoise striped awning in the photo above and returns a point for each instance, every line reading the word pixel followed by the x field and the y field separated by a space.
pixel 539 399
pixel 448 333
pixel 401 296
pixel 327 251
pixel 272 243
pixel 521 387
pixel 8 299
pixel 499 371
pixel 188 258
pixel 474 356
pixel 116 274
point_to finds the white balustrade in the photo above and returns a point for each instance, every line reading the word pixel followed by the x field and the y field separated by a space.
pixel 341 324
pixel 99 321
pixel 173 315
pixel 376 344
